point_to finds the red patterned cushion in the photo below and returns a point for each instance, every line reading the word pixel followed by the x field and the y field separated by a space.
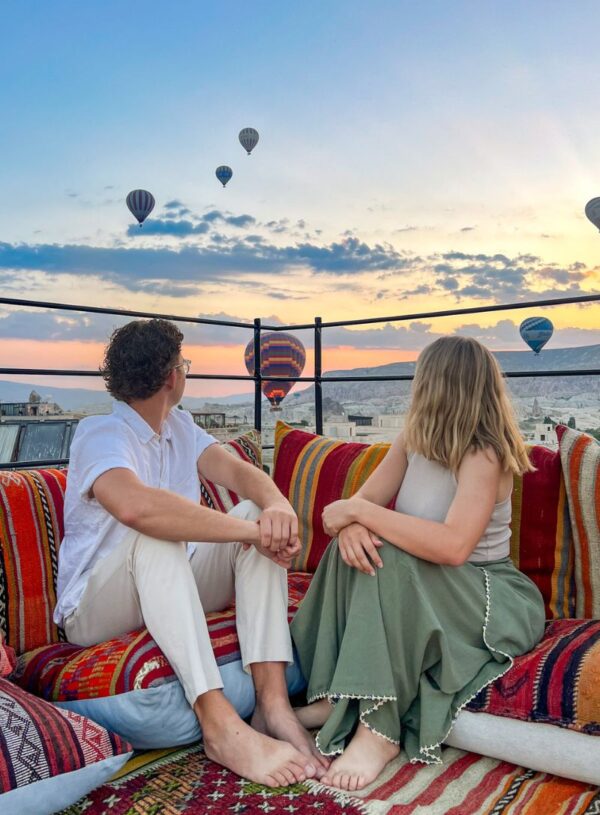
pixel 64 672
pixel 542 540
pixel 556 683
pixel 31 528
pixel 312 471
pixel 39 741
pixel 7 657
pixel 247 448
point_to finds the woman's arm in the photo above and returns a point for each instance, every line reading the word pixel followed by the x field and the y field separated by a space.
pixel 450 542
pixel 385 481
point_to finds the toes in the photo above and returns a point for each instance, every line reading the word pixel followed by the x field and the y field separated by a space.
pixel 297 770
pixel 362 782
pixel 289 774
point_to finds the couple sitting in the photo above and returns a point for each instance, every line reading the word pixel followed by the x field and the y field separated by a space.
pixel 411 612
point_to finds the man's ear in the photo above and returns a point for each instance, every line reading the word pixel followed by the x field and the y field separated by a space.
pixel 171 379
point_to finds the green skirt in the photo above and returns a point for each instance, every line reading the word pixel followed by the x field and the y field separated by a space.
pixel 402 652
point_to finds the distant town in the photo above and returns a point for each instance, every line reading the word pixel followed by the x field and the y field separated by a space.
pixel 37 427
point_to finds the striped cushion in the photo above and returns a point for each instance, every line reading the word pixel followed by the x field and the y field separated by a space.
pixel 556 683
pixel 31 527
pixel 39 741
pixel 580 457
pixel 7 657
pixel 542 542
pixel 63 672
pixel 247 448
pixel 312 471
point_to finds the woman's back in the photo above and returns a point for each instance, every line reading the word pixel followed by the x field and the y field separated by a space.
pixel 427 491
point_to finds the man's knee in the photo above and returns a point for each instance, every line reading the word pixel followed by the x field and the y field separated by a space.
pixel 146 546
pixel 246 510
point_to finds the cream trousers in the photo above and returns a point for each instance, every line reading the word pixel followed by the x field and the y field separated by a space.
pixel 152 583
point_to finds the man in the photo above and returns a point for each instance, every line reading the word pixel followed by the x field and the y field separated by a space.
pixel 132 506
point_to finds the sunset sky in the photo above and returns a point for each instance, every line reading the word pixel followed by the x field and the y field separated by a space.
pixel 412 156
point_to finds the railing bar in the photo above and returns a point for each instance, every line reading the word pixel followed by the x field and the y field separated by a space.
pixel 584 298
pixel 324 378
pixel 10 301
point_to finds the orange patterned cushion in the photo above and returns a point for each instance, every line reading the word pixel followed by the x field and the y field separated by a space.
pixel 31 528
pixel 64 672
pixel 312 471
pixel 580 456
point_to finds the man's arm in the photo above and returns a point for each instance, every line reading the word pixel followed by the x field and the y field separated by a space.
pixel 278 521
pixel 165 515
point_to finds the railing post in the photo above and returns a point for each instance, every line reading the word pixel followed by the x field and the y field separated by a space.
pixel 318 375
pixel 257 377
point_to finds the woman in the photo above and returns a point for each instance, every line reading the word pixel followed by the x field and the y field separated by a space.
pixel 414 610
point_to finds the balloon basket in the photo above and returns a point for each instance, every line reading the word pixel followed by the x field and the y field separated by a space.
pixel 275 409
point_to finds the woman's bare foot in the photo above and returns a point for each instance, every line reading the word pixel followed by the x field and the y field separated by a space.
pixel 361 762
pixel 315 714
pixel 280 721
pixel 231 742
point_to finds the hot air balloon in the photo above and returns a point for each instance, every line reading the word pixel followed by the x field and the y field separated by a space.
pixel 592 211
pixel 224 173
pixel 536 331
pixel 248 138
pixel 280 355
pixel 140 203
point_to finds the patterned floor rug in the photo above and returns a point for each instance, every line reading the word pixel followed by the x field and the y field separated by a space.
pixel 185 782
pixel 470 784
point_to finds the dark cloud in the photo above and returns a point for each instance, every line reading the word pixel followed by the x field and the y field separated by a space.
pixel 167 226
pixel 467 229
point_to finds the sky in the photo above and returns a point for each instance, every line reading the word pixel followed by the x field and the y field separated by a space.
pixel 412 157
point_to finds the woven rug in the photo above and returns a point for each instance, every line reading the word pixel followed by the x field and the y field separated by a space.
pixel 185 782
pixel 470 784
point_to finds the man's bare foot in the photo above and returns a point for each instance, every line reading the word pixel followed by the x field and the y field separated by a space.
pixel 361 762
pixel 279 720
pixel 315 714
pixel 231 742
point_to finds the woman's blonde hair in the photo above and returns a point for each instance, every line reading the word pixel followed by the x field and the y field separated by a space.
pixel 459 403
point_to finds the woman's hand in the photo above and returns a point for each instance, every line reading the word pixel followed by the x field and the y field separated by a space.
pixel 357 544
pixel 338 515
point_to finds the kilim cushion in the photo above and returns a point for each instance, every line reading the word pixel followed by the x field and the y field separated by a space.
pixel 62 672
pixel 556 683
pixel 7 657
pixel 580 456
pixel 312 471
pixel 31 528
pixel 247 448
pixel 541 545
pixel 49 758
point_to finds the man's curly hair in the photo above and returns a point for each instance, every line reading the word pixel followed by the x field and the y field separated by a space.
pixel 139 357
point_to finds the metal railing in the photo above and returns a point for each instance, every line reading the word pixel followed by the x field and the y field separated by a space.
pixel 257 327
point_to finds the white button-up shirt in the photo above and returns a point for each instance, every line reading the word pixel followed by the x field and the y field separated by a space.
pixel 101 443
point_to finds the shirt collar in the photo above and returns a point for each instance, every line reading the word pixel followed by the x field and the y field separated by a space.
pixel 139 425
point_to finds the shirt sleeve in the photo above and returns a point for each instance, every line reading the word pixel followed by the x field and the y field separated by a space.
pixel 95 450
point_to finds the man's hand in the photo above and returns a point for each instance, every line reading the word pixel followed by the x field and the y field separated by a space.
pixel 279 529
pixel 357 544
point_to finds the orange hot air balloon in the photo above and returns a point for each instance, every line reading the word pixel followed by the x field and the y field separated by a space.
pixel 280 355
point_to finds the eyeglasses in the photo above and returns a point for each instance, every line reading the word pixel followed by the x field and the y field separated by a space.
pixel 186 364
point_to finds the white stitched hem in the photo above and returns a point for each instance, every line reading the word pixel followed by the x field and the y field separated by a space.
pixel 332 698
pixel 427 753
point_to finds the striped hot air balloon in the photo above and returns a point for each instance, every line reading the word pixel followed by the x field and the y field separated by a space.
pixel 536 331
pixel 592 211
pixel 280 355
pixel 140 203
pixel 224 173
pixel 248 137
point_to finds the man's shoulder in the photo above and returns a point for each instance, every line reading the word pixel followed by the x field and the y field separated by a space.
pixel 102 426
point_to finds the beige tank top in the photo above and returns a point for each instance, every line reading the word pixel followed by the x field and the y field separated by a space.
pixel 427 491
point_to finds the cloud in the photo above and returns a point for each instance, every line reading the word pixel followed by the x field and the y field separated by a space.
pixel 167 226
pixel 467 229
